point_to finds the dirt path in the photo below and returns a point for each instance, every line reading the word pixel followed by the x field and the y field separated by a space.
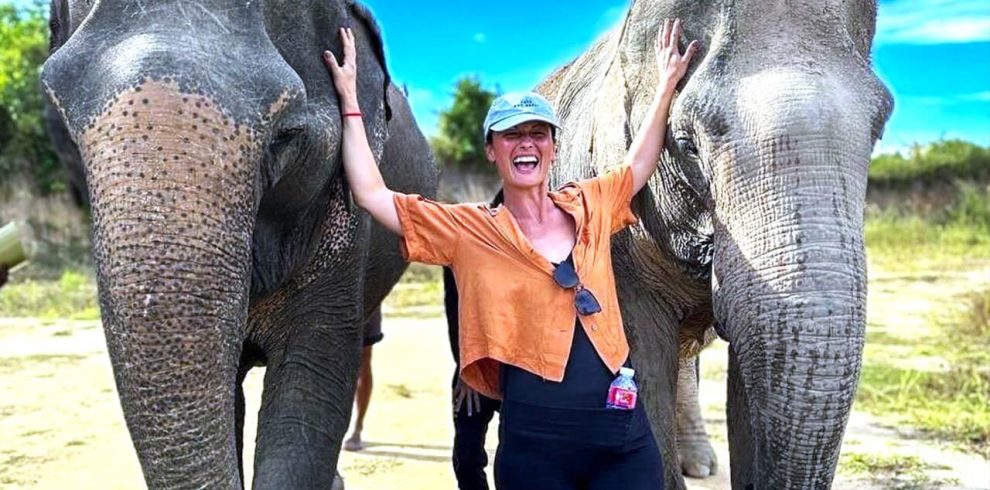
pixel 63 428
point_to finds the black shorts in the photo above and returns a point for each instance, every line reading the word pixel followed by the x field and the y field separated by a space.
pixel 373 328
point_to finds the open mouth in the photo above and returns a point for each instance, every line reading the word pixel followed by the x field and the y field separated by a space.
pixel 526 163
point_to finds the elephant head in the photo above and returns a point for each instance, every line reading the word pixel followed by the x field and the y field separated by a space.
pixel 755 216
pixel 209 136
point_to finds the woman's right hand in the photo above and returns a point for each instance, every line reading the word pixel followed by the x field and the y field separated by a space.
pixel 344 76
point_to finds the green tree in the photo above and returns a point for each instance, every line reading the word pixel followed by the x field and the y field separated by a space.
pixel 460 142
pixel 24 146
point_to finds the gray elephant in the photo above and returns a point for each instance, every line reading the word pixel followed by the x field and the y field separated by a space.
pixel 223 234
pixel 753 222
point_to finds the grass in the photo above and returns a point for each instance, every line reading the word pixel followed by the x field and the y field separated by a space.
pixel 952 235
pixel 950 403
pixel 18 363
pixel 892 471
pixel 72 296
pixel 401 390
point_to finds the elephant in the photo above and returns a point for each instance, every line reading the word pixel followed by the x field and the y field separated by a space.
pixel 224 237
pixel 752 226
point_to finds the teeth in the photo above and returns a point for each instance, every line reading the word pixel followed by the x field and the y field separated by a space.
pixel 526 159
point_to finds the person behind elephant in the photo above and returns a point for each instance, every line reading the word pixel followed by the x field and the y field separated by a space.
pixel 472 411
pixel 362 393
pixel 540 326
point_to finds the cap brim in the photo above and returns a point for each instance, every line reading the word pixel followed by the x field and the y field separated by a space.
pixel 519 119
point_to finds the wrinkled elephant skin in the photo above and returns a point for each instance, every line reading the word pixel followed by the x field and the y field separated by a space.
pixel 208 138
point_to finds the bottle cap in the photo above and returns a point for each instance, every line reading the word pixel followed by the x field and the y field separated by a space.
pixel 624 371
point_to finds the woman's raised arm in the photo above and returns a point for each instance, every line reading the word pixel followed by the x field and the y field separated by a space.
pixel 363 176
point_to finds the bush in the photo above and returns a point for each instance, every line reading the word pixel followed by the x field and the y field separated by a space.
pixel 459 142
pixel 940 162
pixel 72 296
pixel 25 150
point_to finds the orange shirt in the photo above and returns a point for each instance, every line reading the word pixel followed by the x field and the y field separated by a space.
pixel 511 310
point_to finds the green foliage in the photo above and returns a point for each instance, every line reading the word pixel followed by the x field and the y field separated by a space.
pixel 942 161
pixel 72 296
pixel 950 403
pixel 422 273
pixel 24 146
pixel 906 242
pixel 936 206
pixel 894 471
pixel 460 142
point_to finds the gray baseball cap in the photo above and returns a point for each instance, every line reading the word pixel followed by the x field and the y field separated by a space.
pixel 516 108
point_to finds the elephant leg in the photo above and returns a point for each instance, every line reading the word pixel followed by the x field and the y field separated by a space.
pixel 306 405
pixel 696 455
pixel 654 354
pixel 742 455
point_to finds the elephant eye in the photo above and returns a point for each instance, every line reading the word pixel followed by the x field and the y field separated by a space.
pixel 284 136
pixel 685 143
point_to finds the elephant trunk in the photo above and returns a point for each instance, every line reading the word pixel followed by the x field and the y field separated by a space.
pixel 789 278
pixel 173 219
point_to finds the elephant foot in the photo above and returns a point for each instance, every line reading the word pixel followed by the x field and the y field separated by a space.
pixel 354 443
pixel 697 458
pixel 338 482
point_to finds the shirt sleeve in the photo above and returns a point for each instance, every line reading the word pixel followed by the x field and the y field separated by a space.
pixel 614 191
pixel 429 229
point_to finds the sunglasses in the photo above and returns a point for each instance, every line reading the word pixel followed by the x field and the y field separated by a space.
pixel 566 277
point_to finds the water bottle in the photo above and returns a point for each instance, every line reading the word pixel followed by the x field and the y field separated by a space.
pixel 622 392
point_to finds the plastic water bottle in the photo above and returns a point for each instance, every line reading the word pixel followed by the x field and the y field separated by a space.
pixel 622 393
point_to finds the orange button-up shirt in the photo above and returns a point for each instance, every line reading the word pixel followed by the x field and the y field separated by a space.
pixel 511 310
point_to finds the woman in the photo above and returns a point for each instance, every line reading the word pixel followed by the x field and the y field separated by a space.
pixel 539 316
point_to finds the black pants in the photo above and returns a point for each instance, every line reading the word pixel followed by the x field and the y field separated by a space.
pixel 469 456
pixel 538 451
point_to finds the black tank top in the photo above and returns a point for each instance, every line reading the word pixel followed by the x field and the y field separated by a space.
pixel 585 384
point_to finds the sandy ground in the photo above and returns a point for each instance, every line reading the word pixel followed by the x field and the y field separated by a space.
pixel 62 426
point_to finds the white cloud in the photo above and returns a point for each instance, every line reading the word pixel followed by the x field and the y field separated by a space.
pixel 479 37
pixel 933 21
pixel 946 100
pixel 976 97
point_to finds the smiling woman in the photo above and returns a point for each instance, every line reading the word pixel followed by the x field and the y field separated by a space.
pixel 537 292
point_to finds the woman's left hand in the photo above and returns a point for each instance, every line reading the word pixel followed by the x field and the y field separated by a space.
pixel 672 64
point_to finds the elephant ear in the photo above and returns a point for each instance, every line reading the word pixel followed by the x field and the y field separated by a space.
pixel 60 27
pixel 363 15
pixel 58 24
pixel 64 17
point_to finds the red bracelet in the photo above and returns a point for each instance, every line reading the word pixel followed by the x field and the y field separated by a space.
pixel 348 114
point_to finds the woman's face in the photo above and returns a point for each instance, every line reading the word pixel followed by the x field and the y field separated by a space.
pixel 523 154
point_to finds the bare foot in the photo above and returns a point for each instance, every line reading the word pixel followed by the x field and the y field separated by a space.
pixel 354 443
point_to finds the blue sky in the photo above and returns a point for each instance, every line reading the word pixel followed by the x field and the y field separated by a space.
pixel 934 55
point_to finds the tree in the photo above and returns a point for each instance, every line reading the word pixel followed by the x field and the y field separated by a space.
pixel 460 142
pixel 24 146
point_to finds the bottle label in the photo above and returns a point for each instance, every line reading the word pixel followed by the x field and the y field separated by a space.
pixel 621 398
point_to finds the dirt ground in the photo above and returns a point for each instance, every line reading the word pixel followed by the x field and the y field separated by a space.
pixel 62 426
